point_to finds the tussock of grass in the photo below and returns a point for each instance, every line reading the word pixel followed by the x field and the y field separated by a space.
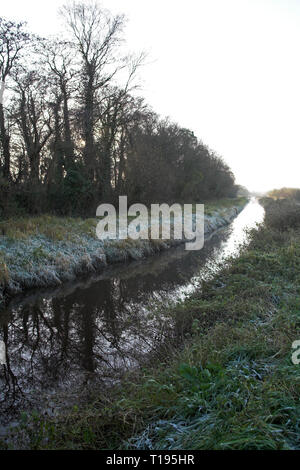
pixel 232 386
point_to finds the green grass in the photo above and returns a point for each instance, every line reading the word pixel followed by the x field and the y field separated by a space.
pixel 65 228
pixel 52 227
pixel 232 385
pixel 212 206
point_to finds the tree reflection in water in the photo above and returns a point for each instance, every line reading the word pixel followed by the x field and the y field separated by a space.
pixel 60 342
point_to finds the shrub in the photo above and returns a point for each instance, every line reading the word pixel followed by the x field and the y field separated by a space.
pixel 282 215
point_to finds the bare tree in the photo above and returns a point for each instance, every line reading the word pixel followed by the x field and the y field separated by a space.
pixel 97 36
pixel 12 40
pixel 59 58
pixel 116 110
pixel 32 113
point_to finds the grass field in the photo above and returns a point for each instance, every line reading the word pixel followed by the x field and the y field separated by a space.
pixel 68 228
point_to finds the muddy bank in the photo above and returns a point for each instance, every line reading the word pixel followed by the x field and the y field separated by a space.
pixel 38 261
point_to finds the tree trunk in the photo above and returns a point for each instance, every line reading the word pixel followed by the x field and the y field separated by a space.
pixel 5 141
pixel 88 130
pixel 69 146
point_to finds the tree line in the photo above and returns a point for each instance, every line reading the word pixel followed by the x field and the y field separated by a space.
pixel 74 132
pixel 285 193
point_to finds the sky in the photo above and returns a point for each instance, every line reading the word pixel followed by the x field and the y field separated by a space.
pixel 227 69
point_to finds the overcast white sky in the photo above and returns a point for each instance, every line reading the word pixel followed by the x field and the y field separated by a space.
pixel 227 69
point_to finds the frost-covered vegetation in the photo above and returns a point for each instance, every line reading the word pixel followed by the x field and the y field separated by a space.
pixel 232 386
pixel 46 250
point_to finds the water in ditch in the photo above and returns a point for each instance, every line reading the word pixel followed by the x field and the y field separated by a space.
pixel 62 342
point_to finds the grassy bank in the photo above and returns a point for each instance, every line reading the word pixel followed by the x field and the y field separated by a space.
pixel 232 386
pixel 46 250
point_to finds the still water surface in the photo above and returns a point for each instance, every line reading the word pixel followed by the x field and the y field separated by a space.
pixel 62 342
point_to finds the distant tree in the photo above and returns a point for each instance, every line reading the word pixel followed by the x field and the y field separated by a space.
pixel 289 193
pixel 242 191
